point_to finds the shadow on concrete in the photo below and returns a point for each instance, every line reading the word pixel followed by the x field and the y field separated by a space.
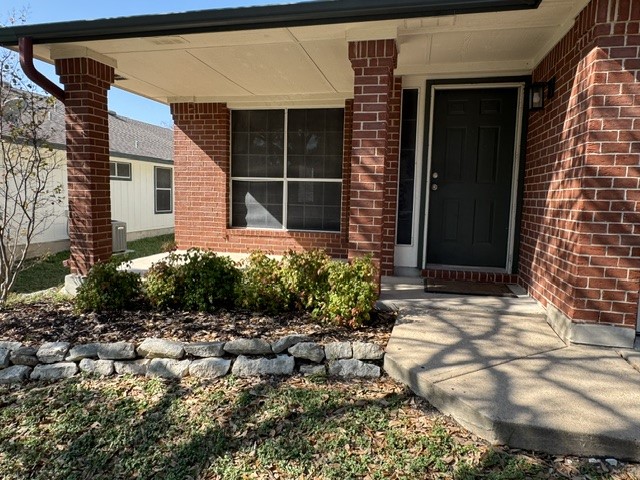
pixel 496 366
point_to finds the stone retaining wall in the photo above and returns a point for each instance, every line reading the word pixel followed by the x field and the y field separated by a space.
pixel 156 357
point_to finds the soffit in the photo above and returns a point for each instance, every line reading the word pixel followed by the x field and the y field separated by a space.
pixel 310 64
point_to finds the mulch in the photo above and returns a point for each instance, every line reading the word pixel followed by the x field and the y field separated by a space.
pixel 36 323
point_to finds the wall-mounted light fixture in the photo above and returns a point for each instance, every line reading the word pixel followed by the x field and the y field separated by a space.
pixel 537 96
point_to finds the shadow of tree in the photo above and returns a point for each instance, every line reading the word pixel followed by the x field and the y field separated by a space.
pixel 146 428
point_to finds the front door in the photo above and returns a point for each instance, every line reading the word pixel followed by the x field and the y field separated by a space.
pixel 471 176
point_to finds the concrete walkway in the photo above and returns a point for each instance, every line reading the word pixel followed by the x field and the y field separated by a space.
pixel 497 367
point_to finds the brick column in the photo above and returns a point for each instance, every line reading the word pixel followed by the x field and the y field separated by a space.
pixel 580 253
pixel 346 170
pixel 391 179
pixel 86 82
pixel 373 62
pixel 201 173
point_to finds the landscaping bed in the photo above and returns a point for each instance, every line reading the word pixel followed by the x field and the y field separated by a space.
pixel 41 322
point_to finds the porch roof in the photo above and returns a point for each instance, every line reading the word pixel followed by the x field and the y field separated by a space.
pixel 297 53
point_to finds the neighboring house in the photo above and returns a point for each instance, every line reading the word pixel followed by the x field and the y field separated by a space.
pixel 141 173
pixel 488 140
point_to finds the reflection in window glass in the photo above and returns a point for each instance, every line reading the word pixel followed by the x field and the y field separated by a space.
pixel 312 177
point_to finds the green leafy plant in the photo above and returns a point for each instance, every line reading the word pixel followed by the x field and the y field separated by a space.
pixel 333 292
pixel 163 286
pixel 108 288
pixel 352 293
pixel 261 288
pixel 196 280
pixel 305 275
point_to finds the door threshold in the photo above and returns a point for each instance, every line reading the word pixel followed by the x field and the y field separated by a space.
pixel 461 268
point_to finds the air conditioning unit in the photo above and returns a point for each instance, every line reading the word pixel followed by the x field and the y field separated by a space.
pixel 119 235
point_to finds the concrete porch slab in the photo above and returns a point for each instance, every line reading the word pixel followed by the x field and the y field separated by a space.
pixel 407 295
pixel 500 370
pixel 459 343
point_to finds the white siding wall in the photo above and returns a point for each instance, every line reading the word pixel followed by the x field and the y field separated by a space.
pixel 131 202
pixel 58 229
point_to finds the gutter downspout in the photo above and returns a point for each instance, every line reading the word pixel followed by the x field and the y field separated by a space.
pixel 25 46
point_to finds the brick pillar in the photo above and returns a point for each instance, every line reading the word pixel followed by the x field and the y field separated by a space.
pixel 391 177
pixel 580 251
pixel 346 170
pixel 373 62
pixel 201 173
pixel 86 82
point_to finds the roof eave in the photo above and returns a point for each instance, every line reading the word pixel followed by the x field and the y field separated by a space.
pixel 249 18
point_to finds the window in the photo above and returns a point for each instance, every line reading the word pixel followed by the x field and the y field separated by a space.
pixel 120 171
pixel 409 123
pixel 163 190
pixel 298 187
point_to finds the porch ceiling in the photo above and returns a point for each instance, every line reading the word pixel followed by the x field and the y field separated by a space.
pixel 309 64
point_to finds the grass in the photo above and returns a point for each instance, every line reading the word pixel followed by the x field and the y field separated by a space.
pixel 48 272
pixel 139 428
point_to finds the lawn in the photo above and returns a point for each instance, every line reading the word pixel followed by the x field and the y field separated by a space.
pixel 49 272
pixel 139 428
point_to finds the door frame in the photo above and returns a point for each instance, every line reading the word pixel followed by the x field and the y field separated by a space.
pixel 432 87
pixel 406 256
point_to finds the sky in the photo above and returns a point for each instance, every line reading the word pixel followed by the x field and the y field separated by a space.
pixel 124 103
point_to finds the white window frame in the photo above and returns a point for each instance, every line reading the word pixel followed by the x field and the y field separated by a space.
pixel 285 179
pixel 117 176
pixel 156 189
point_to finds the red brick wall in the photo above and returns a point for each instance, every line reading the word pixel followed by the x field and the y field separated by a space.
pixel 580 248
pixel 202 197
pixel 373 63
pixel 346 172
pixel 87 136
pixel 391 178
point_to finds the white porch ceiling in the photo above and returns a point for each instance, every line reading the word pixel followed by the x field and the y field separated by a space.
pixel 309 65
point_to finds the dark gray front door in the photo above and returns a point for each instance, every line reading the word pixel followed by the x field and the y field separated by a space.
pixel 470 179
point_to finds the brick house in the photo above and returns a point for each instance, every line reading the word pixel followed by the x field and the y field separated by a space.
pixel 486 140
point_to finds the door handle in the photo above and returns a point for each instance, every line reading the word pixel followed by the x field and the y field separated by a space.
pixel 434 186
pixel 434 175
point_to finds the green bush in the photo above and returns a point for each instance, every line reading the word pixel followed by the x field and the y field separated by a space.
pixel 197 280
pixel 164 286
pixel 352 293
pixel 261 288
pixel 108 289
pixel 339 293
pixel 305 275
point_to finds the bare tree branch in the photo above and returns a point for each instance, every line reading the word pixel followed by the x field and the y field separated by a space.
pixel 29 191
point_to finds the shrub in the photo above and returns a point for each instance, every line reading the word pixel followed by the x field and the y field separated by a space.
pixel 108 289
pixel 352 293
pixel 305 276
pixel 261 288
pixel 163 286
pixel 197 280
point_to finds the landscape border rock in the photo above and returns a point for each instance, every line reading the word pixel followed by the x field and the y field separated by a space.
pixel 157 357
